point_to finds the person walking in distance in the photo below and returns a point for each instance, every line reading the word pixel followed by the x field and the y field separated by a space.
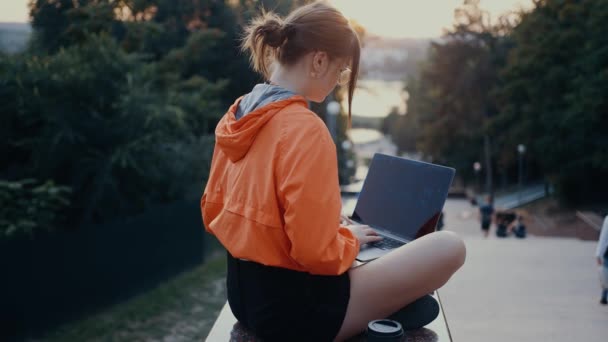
pixel 486 215
pixel 601 254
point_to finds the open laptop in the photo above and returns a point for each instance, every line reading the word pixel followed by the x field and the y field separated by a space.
pixel 402 200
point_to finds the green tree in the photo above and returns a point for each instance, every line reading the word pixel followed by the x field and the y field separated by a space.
pixel 452 98
pixel 117 99
pixel 61 23
pixel 553 94
pixel 403 130
pixel 153 28
pixel 104 134
pixel 28 206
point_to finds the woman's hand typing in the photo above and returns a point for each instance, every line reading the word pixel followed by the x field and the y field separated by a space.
pixel 364 233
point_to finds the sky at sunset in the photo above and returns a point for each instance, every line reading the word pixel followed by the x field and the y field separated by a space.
pixel 390 18
pixel 415 18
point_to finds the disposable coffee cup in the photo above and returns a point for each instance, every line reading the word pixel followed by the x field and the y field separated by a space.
pixel 384 330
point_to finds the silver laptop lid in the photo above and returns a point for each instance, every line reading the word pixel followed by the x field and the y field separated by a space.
pixel 402 196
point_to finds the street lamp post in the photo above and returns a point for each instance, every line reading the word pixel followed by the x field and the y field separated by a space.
pixel 333 109
pixel 477 168
pixel 521 150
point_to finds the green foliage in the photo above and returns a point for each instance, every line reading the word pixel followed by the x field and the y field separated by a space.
pixel 28 206
pixel 538 80
pixel 118 100
pixel 553 94
pixel 105 134
pixel 49 21
pixel 403 130
pixel 450 99
pixel 155 29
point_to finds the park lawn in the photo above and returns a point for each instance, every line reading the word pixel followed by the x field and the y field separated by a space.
pixel 181 309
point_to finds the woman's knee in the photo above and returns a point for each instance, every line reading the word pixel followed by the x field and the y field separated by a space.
pixel 452 249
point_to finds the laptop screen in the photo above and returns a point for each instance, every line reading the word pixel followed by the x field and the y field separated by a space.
pixel 403 196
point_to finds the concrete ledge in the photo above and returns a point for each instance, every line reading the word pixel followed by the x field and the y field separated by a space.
pixel 591 218
pixel 436 331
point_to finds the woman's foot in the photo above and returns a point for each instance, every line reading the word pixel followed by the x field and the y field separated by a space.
pixel 417 314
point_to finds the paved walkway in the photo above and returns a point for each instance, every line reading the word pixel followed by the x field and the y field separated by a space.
pixel 536 289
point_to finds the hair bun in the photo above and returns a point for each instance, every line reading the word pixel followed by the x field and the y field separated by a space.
pixel 273 31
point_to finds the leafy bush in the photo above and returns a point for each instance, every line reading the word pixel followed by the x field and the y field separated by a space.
pixel 29 206
pixel 98 120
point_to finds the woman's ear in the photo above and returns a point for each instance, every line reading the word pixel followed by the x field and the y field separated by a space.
pixel 320 64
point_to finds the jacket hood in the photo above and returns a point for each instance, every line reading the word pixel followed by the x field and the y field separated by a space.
pixel 236 131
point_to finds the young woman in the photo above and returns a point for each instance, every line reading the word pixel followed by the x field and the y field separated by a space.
pixel 273 199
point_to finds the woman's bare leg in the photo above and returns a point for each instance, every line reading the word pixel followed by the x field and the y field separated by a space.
pixel 389 283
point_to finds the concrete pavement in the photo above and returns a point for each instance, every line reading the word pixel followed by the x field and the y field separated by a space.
pixel 535 289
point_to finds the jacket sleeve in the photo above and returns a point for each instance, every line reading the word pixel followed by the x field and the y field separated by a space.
pixel 308 189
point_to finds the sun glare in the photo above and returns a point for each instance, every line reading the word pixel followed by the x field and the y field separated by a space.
pixel 15 11
pixel 389 18
pixel 414 18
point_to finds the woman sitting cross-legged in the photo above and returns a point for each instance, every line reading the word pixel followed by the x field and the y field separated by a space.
pixel 273 199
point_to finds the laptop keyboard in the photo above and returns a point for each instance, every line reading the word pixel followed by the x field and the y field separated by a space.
pixel 387 243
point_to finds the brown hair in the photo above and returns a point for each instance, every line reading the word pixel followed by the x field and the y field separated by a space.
pixel 314 27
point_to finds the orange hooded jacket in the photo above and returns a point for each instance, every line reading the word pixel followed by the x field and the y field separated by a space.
pixel 273 195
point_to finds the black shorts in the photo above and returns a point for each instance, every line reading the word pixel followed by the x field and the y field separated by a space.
pixel 279 304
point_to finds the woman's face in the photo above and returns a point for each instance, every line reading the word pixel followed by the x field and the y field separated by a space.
pixel 325 74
